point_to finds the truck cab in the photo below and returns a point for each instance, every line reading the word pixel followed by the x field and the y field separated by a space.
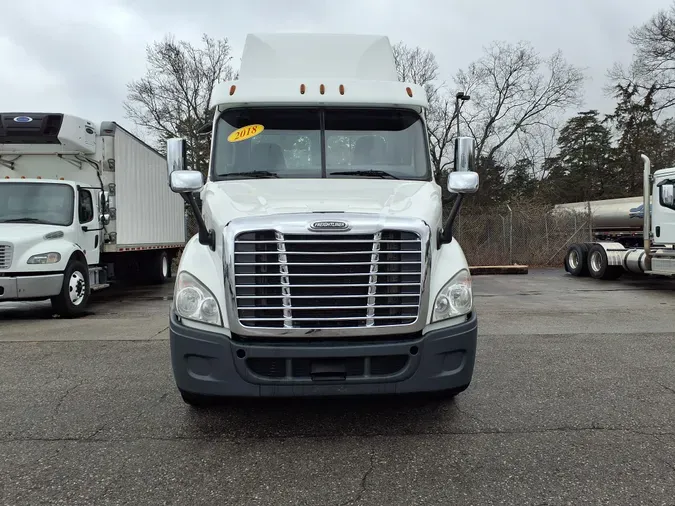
pixel 323 265
pixel 44 224
pixel 81 205
pixel 663 222
pixel 50 222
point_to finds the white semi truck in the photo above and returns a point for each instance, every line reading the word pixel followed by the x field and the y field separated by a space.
pixel 322 264
pixel 81 205
pixel 619 225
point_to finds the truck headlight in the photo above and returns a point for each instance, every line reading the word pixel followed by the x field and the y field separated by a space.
pixel 455 298
pixel 194 301
pixel 45 258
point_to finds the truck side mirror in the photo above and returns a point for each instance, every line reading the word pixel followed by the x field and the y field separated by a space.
pixel 465 154
pixel 103 204
pixel 668 195
pixel 186 181
pixel 463 182
pixel 464 179
pixel 176 155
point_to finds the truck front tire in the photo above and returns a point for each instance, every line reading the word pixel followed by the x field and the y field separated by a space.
pixel 75 292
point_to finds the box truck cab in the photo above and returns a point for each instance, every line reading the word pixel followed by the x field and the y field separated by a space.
pixel 322 265
pixel 80 206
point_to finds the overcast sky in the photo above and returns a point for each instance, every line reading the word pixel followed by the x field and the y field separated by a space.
pixel 77 56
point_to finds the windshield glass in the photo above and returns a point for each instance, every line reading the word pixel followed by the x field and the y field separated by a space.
pixel 36 203
pixel 290 143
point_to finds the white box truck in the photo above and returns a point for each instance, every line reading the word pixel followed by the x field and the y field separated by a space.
pixel 322 265
pixel 81 205
pixel 620 225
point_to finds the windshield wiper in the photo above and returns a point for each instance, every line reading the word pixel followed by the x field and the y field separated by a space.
pixel 27 220
pixel 253 173
pixel 374 173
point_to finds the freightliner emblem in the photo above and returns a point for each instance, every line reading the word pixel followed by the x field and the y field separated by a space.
pixel 337 226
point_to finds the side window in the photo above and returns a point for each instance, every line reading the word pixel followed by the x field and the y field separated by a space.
pixel 667 194
pixel 86 211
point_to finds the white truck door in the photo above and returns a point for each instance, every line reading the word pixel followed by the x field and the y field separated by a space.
pixel 89 234
pixel 663 228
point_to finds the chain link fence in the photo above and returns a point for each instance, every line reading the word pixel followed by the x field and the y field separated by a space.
pixel 516 234
pixel 505 235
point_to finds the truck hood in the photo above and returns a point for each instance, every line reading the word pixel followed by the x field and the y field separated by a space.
pixel 225 200
pixel 23 233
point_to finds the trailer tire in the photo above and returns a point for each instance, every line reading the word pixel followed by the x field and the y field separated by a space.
pixel 160 268
pixel 576 259
pixel 75 292
pixel 598 264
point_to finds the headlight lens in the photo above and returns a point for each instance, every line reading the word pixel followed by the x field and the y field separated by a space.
pixel 45 258
pixel 455 298
pixel 194 301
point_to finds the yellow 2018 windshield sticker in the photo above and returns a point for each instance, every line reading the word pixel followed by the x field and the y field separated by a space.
pixel 243 133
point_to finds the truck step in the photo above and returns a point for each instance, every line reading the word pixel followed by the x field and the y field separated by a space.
pixel 101 286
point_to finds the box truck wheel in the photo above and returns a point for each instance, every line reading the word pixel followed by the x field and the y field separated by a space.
pixel 598 264
pixel 576 260
pixel 74 296
pixel 160 267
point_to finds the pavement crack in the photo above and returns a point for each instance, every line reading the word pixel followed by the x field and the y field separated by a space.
pixel 240 439
pixel 59 375
pixel 470 415
pixel 65 395
pixel 158 333
pixel 672 390
pixel 96 432
pixel 364 480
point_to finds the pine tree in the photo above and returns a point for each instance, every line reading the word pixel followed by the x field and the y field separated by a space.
pixel 583 169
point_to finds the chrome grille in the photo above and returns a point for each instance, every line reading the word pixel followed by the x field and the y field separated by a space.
pixel 305 281
pixel 5 256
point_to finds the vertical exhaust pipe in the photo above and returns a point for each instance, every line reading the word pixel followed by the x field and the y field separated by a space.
pixel 647 215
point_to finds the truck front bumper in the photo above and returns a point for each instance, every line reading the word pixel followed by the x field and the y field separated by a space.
pixel 206 363
pixel 30 287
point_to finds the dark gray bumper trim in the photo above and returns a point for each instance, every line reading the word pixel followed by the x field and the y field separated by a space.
pixel 210 364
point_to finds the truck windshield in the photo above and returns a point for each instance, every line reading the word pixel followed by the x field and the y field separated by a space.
pixel 316 143
pixel 46 203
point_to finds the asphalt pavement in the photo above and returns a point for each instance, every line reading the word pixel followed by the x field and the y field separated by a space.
pixel 573 402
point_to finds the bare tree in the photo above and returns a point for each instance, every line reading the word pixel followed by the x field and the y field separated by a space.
pixel 514 89
pixel 419 66
pixel 536 144
pixel 653 63
pixel 415 65
pixel 172 99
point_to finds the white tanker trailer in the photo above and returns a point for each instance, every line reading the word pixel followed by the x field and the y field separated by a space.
pixel 620 226
pixel 618 220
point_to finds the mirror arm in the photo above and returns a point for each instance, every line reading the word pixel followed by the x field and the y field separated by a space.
pixel 206 237
pixel 445 235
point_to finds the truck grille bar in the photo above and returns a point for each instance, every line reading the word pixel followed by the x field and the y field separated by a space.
pixel 5 256
pixel 318 281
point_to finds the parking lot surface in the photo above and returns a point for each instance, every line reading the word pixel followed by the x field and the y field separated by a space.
pixel 573 402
